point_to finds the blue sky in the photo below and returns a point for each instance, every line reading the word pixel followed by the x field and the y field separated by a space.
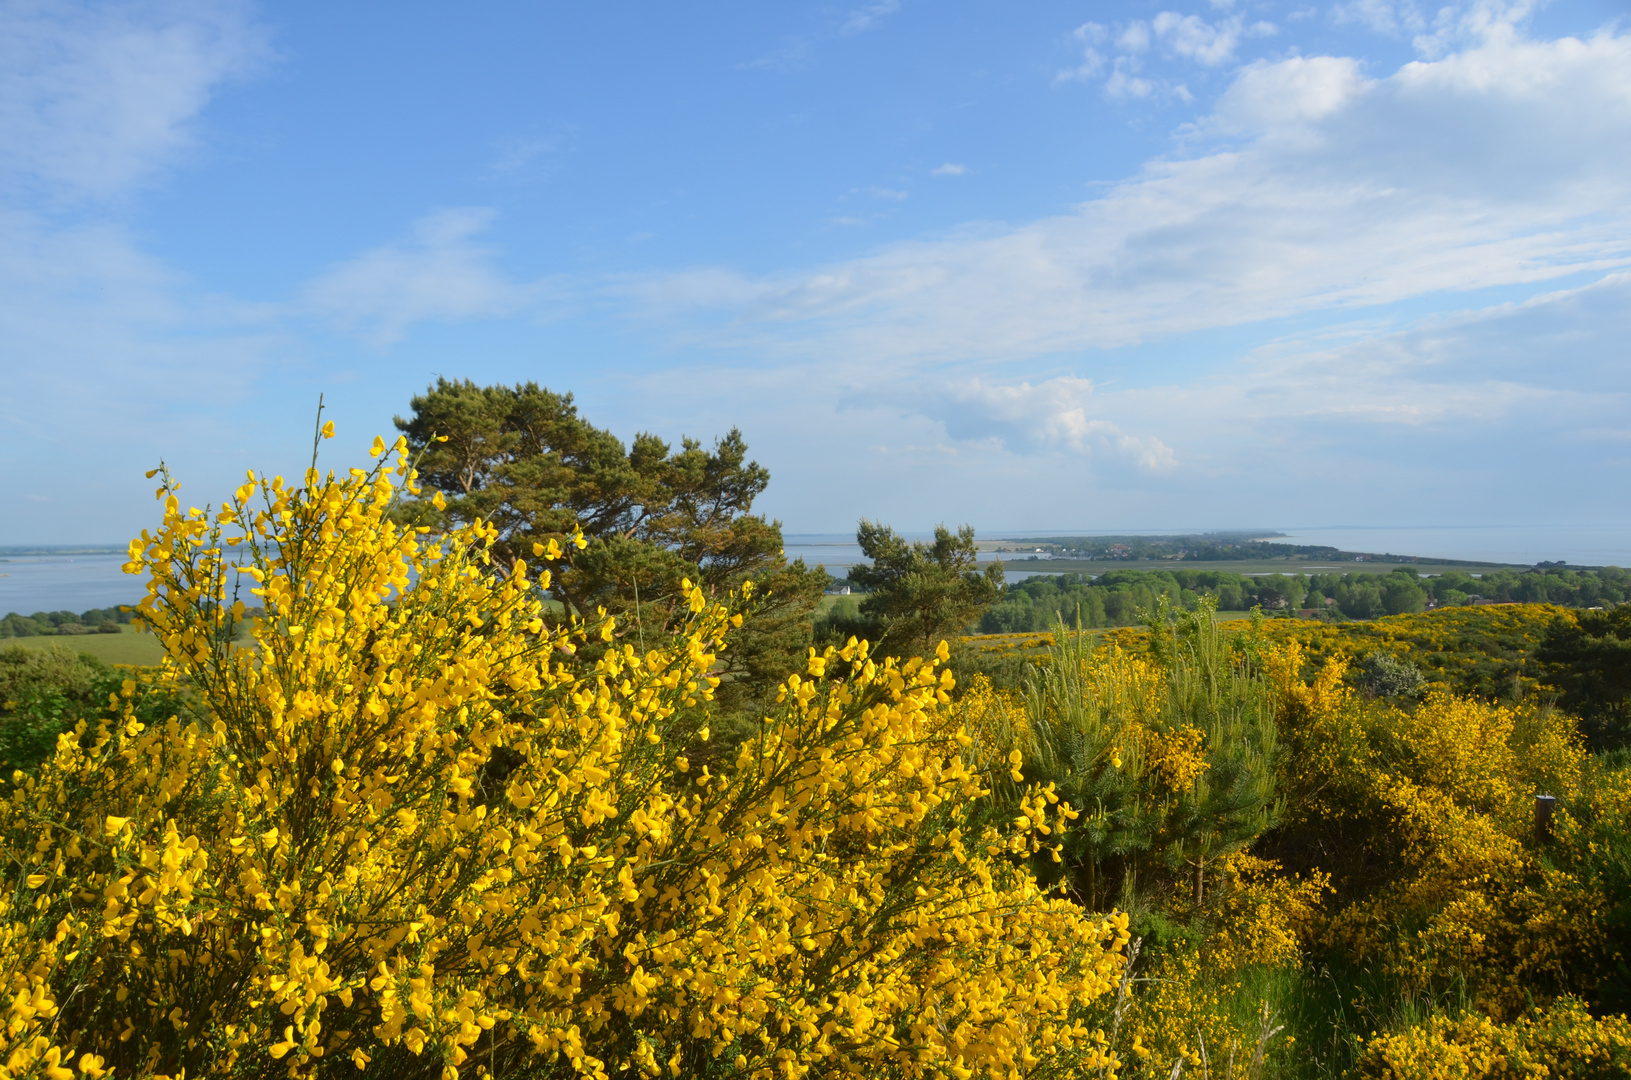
pixel 1031 266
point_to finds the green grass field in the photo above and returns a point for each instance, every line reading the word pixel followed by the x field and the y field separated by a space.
pixel 126 647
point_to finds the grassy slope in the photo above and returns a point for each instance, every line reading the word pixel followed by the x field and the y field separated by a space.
pixel 127 647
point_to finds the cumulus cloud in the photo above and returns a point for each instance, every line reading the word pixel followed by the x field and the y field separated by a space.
pixel 1126 84
pixel 1182 37
pixel 443 274
pixel 1193 37
pixel 95 97
pixel 1051 416
pixel 1089 37
pixel 1507 162
pixel 1267 96
pixel 949 169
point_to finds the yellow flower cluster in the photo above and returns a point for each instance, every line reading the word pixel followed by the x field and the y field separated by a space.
pixel 1264 916
pixel 1444 792
pixel 1194 1000
pixel 1481 649
pixel 414 830
pixel 1564 1040
pixel 1176 757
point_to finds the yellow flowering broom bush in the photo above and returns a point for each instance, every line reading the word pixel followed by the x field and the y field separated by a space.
pixel 415 831
pixel 1564 1040
pixel 1425 818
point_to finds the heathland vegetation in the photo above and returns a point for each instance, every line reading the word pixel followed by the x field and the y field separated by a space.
pixel 548 768
pixel 1116 597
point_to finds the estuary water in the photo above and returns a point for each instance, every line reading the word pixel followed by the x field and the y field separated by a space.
pixel 64 580
pixel 1523 545
pixel 1579 545
pixel 48 581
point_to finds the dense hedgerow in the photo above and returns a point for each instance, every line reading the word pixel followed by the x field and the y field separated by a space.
pixel 66 623
pixel 414 831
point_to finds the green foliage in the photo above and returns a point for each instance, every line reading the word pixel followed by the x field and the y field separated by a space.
pixel 1588 657
pixel 1385 675
pixel 523 459
pixel 1198 547
pixel 1003 669
pixel 1485 651
pixel 1170 765
pixel 43 692
pixel 1115 597
pixel 920 593
pixel 66 623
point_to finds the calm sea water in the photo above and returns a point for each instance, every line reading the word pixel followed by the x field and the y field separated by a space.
pixel 77 582
pixel 30 583
pixel 1581 545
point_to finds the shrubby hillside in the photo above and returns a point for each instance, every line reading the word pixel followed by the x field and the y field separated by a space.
pixel 433 820
pixel 421 830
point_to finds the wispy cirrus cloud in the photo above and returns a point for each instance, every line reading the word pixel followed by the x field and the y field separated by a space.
pixel 798 53
pixel 96 101
pixel 868 16
pixel 96 97
pixel 444 273
pixel 1310 187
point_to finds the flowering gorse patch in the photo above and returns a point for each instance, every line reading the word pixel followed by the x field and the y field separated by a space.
pixel 415 830
pixel 1564 1040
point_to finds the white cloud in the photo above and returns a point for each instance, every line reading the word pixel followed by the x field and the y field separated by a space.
pixel 443 274
pixel 1055 415
pixel 1404 413
pixel 1134 38
pixel 1090 36
pixel 1381 16
pixel 1186 37
pixel 1268 96
pixel 798 53
pixel 1508 162
pixel 1123 84
pixel 1479 21
pixel 1192 37
pixel 96 97
pixel 518 158
pixel 111 360
pixel 948 169
pixel 869 16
